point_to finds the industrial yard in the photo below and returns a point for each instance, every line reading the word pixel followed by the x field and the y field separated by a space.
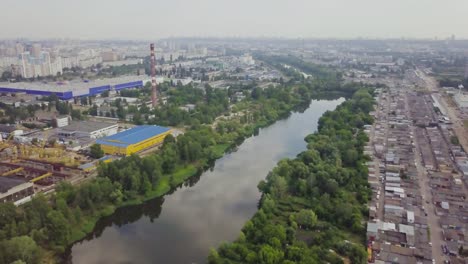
pixel 34 162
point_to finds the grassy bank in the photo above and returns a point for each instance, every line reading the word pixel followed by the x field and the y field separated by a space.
pixel 165 184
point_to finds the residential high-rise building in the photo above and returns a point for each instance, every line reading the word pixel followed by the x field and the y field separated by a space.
pixel 109 56
pixel 40 65
pixel 19 48
pixel 36 50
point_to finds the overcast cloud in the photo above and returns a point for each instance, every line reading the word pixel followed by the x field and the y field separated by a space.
pixel 153 19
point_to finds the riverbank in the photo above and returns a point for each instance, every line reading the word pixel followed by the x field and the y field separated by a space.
pixel 205 211
pixel 164 187
pixel 167 183
pixel 313 206
pixel 181 174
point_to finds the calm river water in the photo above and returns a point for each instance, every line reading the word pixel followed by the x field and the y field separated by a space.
pixel 182 226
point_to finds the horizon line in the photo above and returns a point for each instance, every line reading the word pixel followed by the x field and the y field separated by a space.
pixel 234 38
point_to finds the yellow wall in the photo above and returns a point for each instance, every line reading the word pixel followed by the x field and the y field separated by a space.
pixel 109 149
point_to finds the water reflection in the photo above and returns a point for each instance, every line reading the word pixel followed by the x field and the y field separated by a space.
pixel 182 226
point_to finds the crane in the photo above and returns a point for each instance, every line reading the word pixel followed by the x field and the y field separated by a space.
pixel 10 172
pixel 48 174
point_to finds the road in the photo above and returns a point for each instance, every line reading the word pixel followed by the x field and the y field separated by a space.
pixel 423 180
pixel 382 115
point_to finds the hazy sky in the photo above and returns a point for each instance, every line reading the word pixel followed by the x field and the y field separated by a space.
pixel 153 19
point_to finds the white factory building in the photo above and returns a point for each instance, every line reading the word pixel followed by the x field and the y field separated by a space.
pixel 87 129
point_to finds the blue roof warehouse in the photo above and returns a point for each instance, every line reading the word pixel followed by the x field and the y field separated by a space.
pixel 133 140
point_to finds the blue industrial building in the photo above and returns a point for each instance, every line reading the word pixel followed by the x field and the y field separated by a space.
pixel 67 92
pixel 62 95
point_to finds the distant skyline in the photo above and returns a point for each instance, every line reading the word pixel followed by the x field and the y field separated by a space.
pixel 156 19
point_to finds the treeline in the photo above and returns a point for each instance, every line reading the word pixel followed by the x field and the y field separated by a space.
pixel 208 105
pixel 325 80
pixel 317 71
pixel 212 103
pixel 62 107
pixel 11 114
pixel 313 207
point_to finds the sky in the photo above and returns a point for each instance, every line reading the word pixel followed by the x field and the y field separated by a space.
pixel 156 19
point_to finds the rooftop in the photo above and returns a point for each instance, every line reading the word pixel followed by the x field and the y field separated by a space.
pixel 78 87
pixel 86 126
pixel 133 135
pixel 7 128
pixel 6 183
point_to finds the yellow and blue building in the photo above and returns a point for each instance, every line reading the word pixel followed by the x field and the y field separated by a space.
pixel 133 140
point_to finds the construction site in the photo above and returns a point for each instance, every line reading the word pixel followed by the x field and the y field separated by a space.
pixel 41 164
pixel 44 163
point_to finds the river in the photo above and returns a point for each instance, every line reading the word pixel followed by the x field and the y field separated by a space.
pixel 184 225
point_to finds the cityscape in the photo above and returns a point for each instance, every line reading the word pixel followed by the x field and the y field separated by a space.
pixel 213 148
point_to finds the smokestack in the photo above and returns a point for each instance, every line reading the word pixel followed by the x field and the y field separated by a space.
pixel 153 77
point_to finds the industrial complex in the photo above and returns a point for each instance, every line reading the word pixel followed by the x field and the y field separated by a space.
pixel 133 140
pixel 27 168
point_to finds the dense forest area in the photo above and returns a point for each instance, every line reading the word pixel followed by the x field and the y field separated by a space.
pixel 313 207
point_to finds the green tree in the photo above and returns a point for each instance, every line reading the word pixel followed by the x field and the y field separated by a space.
pixel 62 206
pixel 22 248
pixel 279 187
pixel 96 151
pixel 306 218
pixel 213 257
pixel 7 213
pixel 76 114
pixel 270 255
pixel 59 228
pixel 268 204
pixel 93 110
